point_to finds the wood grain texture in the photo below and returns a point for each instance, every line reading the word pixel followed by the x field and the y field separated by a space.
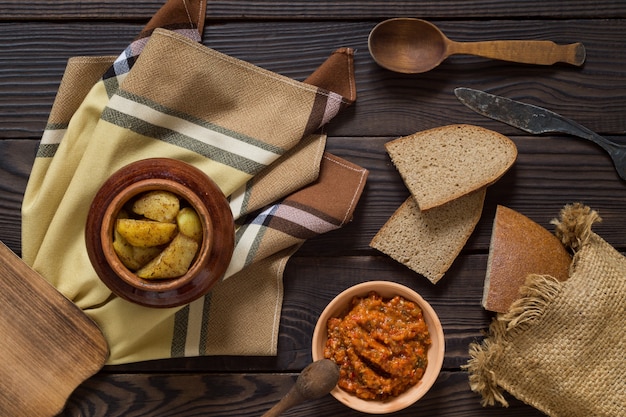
pixel 48 346
pixel 16 161
pixel 388 103
pixel 202 394
pixel 303 9
pixel 293 38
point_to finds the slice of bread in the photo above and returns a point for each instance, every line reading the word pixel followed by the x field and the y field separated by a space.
pixel 428 242
pixel 519 247
pixel 444 163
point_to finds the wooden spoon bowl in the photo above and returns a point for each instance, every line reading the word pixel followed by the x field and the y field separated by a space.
pixel 414 46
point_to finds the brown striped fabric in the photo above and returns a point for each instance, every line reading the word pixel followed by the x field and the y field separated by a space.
pixel 254 132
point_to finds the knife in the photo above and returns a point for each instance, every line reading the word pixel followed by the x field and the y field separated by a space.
pixel 537 120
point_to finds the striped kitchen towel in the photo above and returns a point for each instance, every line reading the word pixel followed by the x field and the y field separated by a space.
pixel 254 132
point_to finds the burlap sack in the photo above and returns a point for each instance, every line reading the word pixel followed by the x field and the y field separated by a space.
pixel 561 348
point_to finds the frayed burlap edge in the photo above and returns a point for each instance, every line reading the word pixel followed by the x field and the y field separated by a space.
pixel 574 231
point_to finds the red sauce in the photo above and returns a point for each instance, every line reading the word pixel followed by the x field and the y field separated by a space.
pixel 380 346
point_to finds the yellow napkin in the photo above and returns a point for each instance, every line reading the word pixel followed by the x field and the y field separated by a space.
pixel 254 132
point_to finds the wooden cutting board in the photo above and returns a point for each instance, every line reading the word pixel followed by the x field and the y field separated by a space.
pixel 48 346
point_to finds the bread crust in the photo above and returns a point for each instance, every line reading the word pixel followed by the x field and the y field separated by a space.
pixel 519 247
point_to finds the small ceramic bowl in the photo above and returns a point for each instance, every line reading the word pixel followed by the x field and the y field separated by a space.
pixel 190 185
pixel 341 304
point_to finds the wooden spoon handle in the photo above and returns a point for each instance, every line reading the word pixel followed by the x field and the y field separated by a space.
pixel 291 399
pixel 527 52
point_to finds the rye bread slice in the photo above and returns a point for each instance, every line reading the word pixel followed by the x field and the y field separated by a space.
pixel 428 242
pixel 519 247
pixel 445 163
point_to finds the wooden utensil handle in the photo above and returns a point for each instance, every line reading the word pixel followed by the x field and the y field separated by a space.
pixel 293 398
pixel 527 52
pixel 48 346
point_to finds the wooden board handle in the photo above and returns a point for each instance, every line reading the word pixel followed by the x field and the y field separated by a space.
pixel 48 345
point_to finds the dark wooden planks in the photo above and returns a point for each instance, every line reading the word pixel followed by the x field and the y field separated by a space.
pixel 33 60
pixel 16 160
pixel 293 38
pixel 448 8
pixel 210 394
pixel 33 57
pixel 302 9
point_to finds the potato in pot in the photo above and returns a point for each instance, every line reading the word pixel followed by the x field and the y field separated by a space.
pixel 161 206
pixel 173 261
pixel 157 237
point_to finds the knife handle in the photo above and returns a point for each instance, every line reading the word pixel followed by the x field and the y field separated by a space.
pixel 522 51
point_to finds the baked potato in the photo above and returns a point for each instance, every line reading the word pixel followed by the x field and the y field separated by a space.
pixel 189 223
pixel 173 261
pixel 133 257
pixel 155 237
pixel 145 233
pixel 161 206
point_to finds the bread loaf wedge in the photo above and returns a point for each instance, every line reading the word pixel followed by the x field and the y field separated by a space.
pixel 519 247
pixel 444 163
pixel 428 242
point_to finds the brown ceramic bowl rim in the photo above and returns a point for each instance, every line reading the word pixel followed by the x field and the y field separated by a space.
pixel 192 185
pixel 436 352
pixel 108 225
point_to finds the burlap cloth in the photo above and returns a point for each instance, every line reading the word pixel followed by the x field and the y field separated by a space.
pixel 562 347
pixel 254 132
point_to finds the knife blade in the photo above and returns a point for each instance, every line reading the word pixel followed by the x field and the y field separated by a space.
pixel 529 118
pixel 537 120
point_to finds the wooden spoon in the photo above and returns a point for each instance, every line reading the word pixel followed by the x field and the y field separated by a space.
pixel 315 381
pixel 413 46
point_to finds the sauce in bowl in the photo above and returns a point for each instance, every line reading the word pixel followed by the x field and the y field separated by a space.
pixel 380 346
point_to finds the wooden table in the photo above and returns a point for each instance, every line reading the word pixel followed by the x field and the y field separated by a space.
pixel 293 38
